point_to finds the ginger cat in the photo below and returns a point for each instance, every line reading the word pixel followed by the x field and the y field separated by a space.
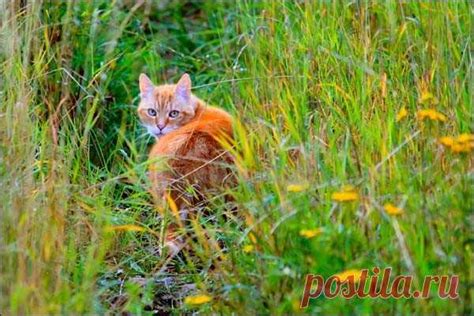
pixel 188 134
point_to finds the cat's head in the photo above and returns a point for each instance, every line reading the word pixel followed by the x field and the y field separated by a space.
pixel 165 108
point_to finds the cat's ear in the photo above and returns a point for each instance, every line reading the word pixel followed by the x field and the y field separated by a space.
pixel 183 88
pixel 146 86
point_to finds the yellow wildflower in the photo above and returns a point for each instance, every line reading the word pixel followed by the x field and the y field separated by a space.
pixel 310 233
pixel 447 141
pixel 344 276
pixel 464 138
pixel 462 143
pixel 297 187
pixel 462 147
pixel 392 209
pixel 401 114
pixel 197 299
pixel 128 228
pixel 427 96
pixel 346 195
pixel 248 248
pixel 431 114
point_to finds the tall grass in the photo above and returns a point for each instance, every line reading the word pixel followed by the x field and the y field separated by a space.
pixel 316 88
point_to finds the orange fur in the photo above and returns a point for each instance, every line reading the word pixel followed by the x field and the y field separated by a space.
pixel 188 149
pixel 193 155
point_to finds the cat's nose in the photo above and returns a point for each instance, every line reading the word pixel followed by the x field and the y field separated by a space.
pixel 161 126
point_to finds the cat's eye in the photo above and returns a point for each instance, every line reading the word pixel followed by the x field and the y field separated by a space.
pixel 152 112
pixel 174 114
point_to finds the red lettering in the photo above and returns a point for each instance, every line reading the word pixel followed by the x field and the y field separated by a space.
pixel 406 286
pixel 427 285
pixel 307 294
pixel 384 286
pixel 453 288
pixel 328 286
pixel 361 285
pixel 373 283
pixel 349 291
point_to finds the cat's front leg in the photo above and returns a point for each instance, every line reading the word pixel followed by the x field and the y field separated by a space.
pixel 163 194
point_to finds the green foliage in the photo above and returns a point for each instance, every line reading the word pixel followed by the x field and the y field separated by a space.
pixel 316 88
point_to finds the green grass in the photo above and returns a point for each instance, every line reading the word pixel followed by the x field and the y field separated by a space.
pixel 315 88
